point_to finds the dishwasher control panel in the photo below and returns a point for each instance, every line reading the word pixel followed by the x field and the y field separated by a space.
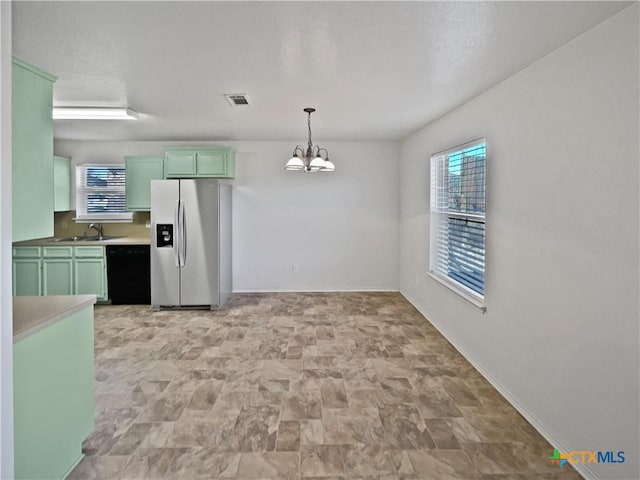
pixel 164 235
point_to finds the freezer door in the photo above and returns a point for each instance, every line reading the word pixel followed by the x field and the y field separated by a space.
pixel 199 276
pixel 165 274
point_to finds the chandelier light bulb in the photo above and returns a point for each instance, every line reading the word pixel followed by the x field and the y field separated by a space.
pixel 328 166
pixel 317 162
pixel 295 163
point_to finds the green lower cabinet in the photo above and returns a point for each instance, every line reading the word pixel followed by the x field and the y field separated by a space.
pixel 90 277
pixel 57 276
pixel 53 391
pixel 27 276
pixel 60 270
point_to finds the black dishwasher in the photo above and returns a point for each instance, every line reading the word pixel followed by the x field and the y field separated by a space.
pixel 129 274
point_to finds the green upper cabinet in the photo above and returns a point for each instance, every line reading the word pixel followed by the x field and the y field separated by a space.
pixel 139 173
pixel 32 139
pixel 210 162
pixel 180 164
pixel 61 184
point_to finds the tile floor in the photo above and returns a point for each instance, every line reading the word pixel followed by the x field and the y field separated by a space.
pixel 287 386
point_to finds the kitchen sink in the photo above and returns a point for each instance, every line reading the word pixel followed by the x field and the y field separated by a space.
pixel 69 239
pixel 85 238
pixel 100 239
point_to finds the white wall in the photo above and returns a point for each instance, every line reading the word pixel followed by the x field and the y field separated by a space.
pixel 340 228
pixel 6 315
pixel 560 337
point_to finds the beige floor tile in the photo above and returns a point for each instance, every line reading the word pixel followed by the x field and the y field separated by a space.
pixel 354 386
pixel 99 467
pixel 272 465
pixel 443 465
pixel 321 461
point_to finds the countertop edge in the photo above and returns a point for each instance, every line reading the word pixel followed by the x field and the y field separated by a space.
pixel 70 305
pixel 49 242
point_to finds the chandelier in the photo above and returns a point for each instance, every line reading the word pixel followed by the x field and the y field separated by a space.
pixel 311 159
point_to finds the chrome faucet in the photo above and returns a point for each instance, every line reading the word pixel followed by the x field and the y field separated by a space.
pixel 97 227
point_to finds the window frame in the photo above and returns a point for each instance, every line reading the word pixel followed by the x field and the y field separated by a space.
pixel 475 298
pixel 82 190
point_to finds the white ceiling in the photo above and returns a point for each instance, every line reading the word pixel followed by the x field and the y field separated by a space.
pixel 373 70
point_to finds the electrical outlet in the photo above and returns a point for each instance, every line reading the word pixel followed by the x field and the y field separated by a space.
pixel 295 268
pixel 147 224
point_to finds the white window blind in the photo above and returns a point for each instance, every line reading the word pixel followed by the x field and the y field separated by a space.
pixel 100 194
pixel 457 236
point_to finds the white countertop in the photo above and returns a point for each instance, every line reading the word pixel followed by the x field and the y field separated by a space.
pixel 32 314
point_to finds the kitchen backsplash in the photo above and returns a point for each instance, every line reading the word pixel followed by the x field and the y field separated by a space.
pixel 64 226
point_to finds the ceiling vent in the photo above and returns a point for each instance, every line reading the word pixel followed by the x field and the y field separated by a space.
pixel 237 99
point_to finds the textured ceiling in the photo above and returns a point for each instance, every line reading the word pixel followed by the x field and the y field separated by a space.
pixel 373 70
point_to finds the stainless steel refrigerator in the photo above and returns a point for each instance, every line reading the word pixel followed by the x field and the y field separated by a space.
pixel 190 243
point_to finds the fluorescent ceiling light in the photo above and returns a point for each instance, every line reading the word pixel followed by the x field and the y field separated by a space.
pixel 94 113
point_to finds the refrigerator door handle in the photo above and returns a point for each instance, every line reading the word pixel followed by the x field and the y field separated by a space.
pixel 176 234
pixel 183 231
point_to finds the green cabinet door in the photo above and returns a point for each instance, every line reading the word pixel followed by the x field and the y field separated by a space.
pixel 32 151
pixel 27 276
pixel 57 276
pixel 90 278
pixel 139 171
pixel 212 163
pixel 61 184
pixel 90 272
pixel 180 164
pixel 229 163
pixel 190 162
pixel 27 270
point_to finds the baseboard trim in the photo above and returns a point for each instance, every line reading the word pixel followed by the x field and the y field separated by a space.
pixel 504 391
pixel 318 290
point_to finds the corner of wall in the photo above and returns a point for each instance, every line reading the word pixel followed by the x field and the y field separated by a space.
pixel 6 315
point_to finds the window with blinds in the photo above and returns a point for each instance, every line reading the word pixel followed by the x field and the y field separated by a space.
pixel 457 234
pixel 100 194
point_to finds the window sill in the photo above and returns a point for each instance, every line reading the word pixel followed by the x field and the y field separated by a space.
pixel 476 302
pixel 126 218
